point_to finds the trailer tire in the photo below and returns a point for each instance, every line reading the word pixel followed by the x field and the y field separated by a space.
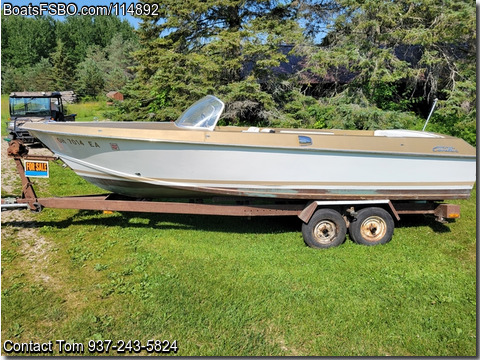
pixel 326 229
pixel 372 226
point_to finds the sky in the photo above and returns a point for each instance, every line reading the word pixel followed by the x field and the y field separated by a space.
pixel 119 6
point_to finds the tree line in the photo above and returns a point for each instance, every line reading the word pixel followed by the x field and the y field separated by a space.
pixel 354 64
pixel 88 54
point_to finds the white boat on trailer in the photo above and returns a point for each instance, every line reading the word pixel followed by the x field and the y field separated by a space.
pixel 193 157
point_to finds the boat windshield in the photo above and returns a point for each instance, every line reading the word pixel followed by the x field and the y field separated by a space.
pixel 203 115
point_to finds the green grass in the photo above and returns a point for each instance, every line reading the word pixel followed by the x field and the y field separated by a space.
pixel 233 286
pixel 5 114
pixel 88 111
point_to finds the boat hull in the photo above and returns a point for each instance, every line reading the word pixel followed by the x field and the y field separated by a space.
pixel 207 166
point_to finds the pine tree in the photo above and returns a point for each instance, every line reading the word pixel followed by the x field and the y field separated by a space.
pixel 90 79
pixel 63 67
pixel 404 52
pixel 216 46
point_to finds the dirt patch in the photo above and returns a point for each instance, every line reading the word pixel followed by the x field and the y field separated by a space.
pixel 20 224
pixel 8 171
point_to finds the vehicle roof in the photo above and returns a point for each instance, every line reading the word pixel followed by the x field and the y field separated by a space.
pixel 46 94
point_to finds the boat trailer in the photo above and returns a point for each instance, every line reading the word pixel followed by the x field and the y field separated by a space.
pixel 325 223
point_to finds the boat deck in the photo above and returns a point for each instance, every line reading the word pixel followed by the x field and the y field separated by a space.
pixel 141 125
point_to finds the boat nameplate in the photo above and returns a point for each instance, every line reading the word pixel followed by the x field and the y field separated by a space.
pixel 444 149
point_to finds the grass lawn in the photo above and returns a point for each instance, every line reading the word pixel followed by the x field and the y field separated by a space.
pixel 88 111
pixel 233 286
pixel 5 114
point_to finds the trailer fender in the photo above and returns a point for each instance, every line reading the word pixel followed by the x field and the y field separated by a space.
pixel 310 209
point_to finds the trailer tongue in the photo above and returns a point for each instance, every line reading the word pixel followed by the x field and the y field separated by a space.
pixel 325 223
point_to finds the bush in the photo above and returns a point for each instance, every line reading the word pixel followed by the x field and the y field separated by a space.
pixel 464 127
pixel 341 113
pixel 355 117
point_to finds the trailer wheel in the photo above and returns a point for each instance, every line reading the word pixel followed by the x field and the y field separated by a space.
pixel 326 228
pixel 372 226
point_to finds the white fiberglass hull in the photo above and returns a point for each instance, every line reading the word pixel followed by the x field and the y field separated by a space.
pixel 153 168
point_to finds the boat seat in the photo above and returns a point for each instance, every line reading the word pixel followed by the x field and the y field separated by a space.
pixel 254 129
pixel 406 133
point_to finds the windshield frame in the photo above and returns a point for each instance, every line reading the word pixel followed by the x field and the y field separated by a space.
pixel 202 115
pixel 30 106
